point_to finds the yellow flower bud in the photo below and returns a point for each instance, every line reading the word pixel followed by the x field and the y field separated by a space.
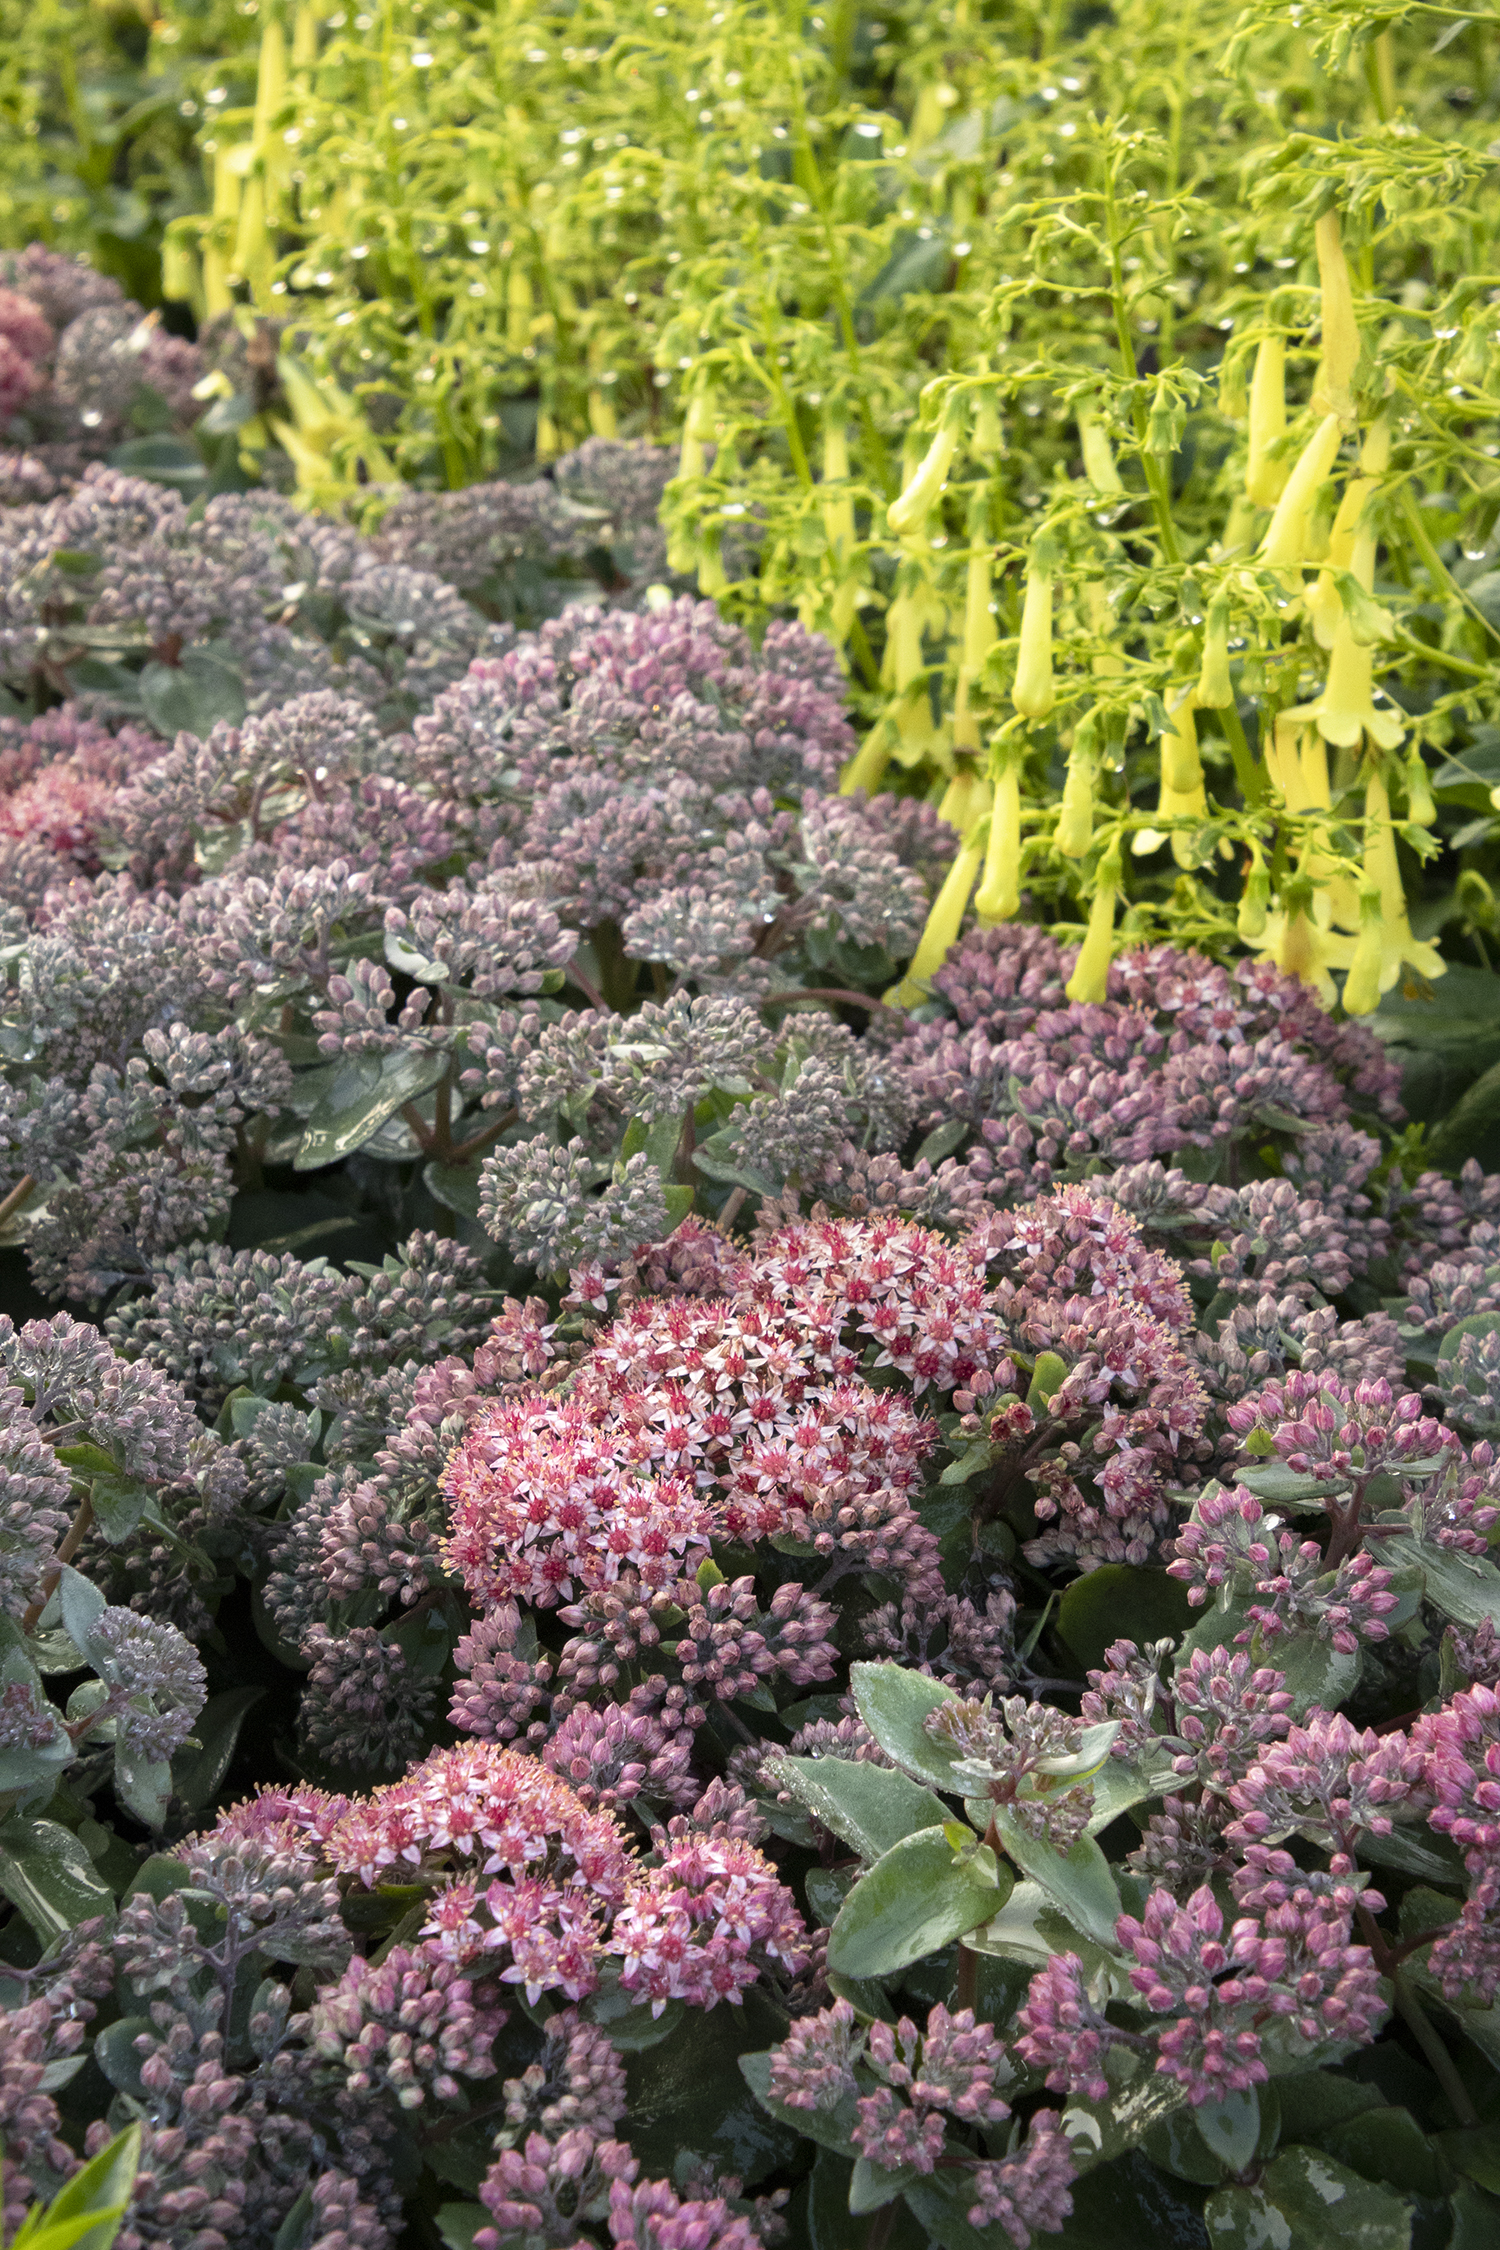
pixel 1090 978
pixel 988 440
pixel 1334 393
pixel 305 38
pixel 1075 818
pixel 1215 690
pixel 270 82
pixel 179 270
pixel 1033 693
pixel 1265 475
pixel 1285 542
pixel 253 257
pixel 1098 459
pixel 603 420
pixel 1255 899
pixel 519 303
pixel 999 894
pixel 1182 790
pixel 1419 802
pixel 911 510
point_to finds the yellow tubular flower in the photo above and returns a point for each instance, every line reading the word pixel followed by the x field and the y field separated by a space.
pixel 179 270
pixel 999 894
pixel 603 420
pixel 1383 874
pixel 957 805
pixel 1182 788
pixel 1419 804
pixel 270 81
pixel 911 510
pixel 1098 459
pixel 1090 978
pixel 1334 393
pixel 866 769
pixel 1215 690
pixel 1075 819
pixel 1285 542
pixel 305 38
pixel 1265 475
pixel 988 440
pixel 1033 693
pixel 252 256
pixel 944 921
pixel 1362 984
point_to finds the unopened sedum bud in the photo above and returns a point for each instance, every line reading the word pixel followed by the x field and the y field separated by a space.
pixel 1215 690
pixel 1255 899
pixel 1075 819
pixel 1362 984
pixel 910 511
pixel 999 893
pixel 1090 978
pixel 1098 460
pixel 1334 392
pixel 1265 474
pixel 1033 693
pixel 1285 544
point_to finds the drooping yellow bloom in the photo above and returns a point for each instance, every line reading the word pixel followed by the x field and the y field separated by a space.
pixel 1284 546
pixel 1382 873
pixel 1098 458
pixel 999 893
pixel 1075 819
pixel 1265 473
pixel 910 511
pixel 1215 690
pixel 1090 978
pixel 1182 792
pixel 946 918
pixel 1255 899
pixel 1362 985
pixel 1033 693
pixel 1299 945
pixel 1334 392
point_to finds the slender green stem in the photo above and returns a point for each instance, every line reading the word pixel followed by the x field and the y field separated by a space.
pixel 1409 2008
pixel 1247 773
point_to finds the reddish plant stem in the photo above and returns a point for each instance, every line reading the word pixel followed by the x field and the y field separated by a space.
pixel 78 1531
pixel 11 1203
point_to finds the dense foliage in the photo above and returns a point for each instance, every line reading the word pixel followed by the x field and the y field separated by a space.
pixel 751 1336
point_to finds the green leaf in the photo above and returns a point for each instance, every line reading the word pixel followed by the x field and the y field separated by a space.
pixel 365 1091
pixel 872 2187
pixel 942 2203
pixel 86 2214
pixel 914 1901
pixel 629 2024
pixel 1285 1487
pixel 1382 2144
pixel 1231 2128
pixel 193 696
pixel 196 1774
pixel 1472 1126
pixel 144 1785
pixel 1464 1587
pixel 1081 1885
pixel 893 1703
pixel 456 1187
pixel 1473 1324
pixel 82 1606
pixel 830 2128
pixel 1475 2219
pixel 163 459
pixel 1475 2153
pixel 46 1872
pixel 869 1806
pixel 1118 1601
pixel 689 2094
pixel 1317 1672
pixel 458 2223
pixel 115 2053
pixel 1305 2197
pixel 119 1504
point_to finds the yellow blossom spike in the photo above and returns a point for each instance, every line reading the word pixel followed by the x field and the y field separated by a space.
pixel 1334 392
pixel 999 893
pixel 1265 473
pixel 1090 979
pixel 1034 694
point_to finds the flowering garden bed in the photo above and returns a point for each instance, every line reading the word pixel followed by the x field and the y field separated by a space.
pixel 751 1346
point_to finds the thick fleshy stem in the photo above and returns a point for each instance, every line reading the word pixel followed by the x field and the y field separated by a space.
pixel 10 1204
pixel 78 1531
pixel 1412 2013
